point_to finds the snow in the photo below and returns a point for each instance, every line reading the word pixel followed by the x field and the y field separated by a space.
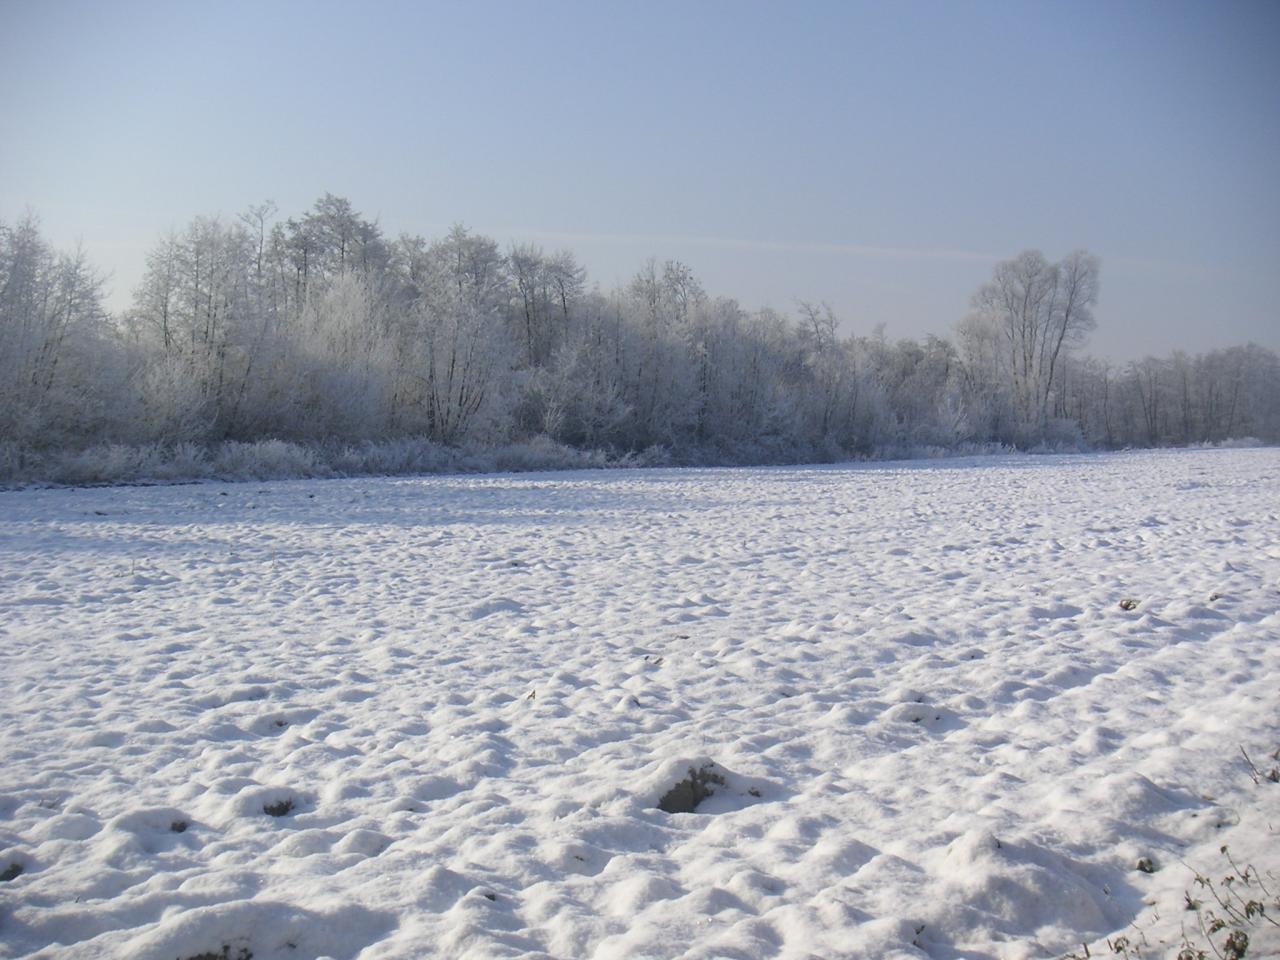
pixel 938 732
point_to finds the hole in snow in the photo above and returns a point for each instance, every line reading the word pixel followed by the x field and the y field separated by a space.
pixel 685 796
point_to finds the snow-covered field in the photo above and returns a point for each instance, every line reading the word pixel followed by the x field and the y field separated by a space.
pixel 939 733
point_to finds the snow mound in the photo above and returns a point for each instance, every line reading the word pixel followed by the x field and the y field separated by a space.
pixel 1021 885
pixel 265 930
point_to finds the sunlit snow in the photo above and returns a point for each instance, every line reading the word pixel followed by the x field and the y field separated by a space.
pixel 435 717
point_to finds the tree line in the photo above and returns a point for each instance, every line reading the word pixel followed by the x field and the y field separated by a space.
pixel 320 328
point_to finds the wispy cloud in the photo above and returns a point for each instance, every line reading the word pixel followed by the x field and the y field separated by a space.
pixel 737 243
pixel 657 243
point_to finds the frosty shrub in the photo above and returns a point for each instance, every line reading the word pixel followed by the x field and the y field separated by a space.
pixel 181 461
pixel 399 457
pixel 108 463
pixel 266 460
pixel 543 453
pixel 18 463
pixel 1060 436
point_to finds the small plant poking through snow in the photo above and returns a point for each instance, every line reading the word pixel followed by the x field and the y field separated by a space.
pixel 1229 908
pixel 1120 946
pixel 685 796
pixel 1145 865
pixel 1225 910
pixel 241 953
pixel 278 809
pixel 1257 775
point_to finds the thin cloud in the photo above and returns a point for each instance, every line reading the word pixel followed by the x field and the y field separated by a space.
pixel 735 243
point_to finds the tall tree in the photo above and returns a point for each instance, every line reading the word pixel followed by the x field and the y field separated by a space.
pixel 1040 311
pixel 55 340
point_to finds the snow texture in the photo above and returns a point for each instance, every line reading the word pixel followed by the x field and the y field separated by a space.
pixel 435 717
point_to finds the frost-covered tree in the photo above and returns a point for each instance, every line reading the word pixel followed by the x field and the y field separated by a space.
pixel 1038 311
pixel 59 369
pixel 547 290
pixel 317 329
pixel 454 344
pixel 195 315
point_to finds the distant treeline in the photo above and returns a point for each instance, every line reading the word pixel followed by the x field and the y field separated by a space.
pixel 320 330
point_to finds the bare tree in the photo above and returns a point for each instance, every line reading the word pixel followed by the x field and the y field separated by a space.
pixel 1041 311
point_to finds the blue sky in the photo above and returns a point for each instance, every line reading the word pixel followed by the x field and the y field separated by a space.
pixel 879 156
